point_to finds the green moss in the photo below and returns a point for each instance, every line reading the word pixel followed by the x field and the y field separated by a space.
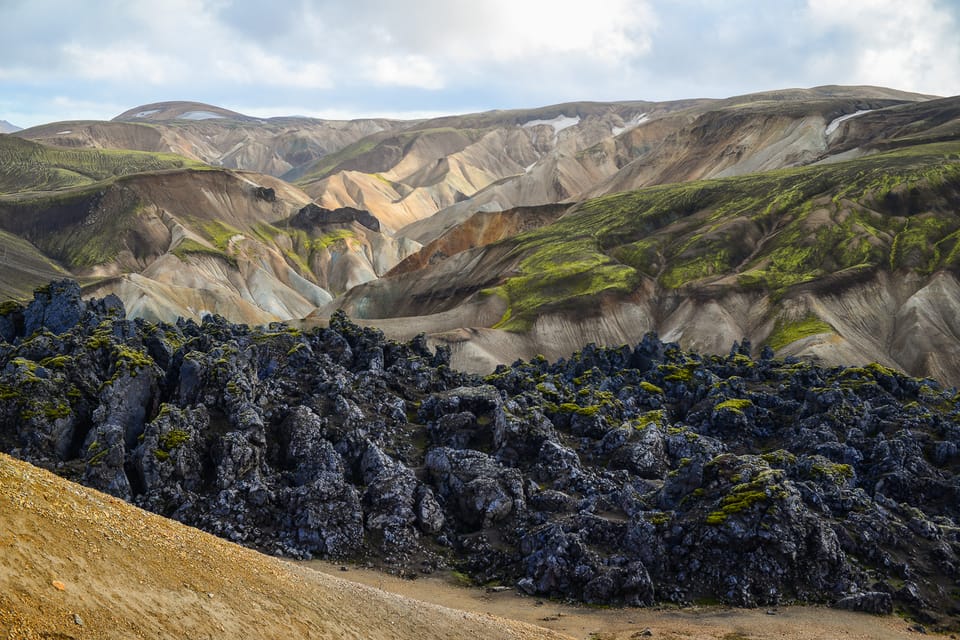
pixel 56 410
pixel 56 362
pixel 560 274
pixel 769 231
pixel 706 263
pixel 218 233
pixel 570 407
pixel 658 519
pixel 189 246
pixel 737 405
pixel 461 578
pixel 329 239
pixel 836 473
pixel 644 420
pixel 173 439
pixel 780 458
pixel 32 167
pixel 8 392
pixel 26 370
pixel 649 387
pixel 743 496
pixel 10 306
pixel 97 341
pixel 878 369
pixel 296 348
pixel 785 332
pixel 97 458
pixel 133 358
pixel 674 373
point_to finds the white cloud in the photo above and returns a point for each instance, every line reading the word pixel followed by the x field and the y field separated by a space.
pixel 406 71
pixel 122 62
pixel 261 68
pixel 606 31
pixel 384 56
pixel 907 45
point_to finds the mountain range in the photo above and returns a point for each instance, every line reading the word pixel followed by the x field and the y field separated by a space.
pixel 821 222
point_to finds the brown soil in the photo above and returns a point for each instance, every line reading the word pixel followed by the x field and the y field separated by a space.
pixel 694 623
pixel 75 563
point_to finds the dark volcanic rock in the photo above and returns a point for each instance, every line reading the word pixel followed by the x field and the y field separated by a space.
pixel 313 215
pixel 871 602
pixel 614 476
pixel 56 308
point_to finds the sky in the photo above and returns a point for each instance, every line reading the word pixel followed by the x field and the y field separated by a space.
pixel 94 59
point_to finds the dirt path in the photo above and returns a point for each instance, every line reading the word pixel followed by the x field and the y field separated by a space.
pixel 700 623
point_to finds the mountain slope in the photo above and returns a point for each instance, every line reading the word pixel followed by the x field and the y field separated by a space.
pixel 434 174
pixel 78 563
pixel 28 166
pixel 175 242
pixel 214 135
pixel 410 175
pixel 708 262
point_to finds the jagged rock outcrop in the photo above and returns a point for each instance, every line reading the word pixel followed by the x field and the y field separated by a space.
pixel 617 475
pixel 313 216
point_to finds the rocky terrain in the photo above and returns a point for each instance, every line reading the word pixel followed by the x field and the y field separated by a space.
pixel 636 475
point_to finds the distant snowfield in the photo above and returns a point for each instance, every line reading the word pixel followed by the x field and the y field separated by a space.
pixel 636 121
pixel 836 121
pixel 144 114
pixel 63 133
pixel 559 123
pixel 199 115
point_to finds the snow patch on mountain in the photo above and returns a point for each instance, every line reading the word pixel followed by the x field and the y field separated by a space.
pixel 199 115
pixel 144 114
pixel 559 123
pixel 634 122
pixel 837 121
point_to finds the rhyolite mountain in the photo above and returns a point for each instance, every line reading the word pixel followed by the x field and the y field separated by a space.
pixel 214 135
pixel 177 238
pixel 6 127
pixel 637 474
pixel 818 221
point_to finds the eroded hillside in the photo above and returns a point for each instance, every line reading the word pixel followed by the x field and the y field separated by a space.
pixel 851 262
pixel 178 239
